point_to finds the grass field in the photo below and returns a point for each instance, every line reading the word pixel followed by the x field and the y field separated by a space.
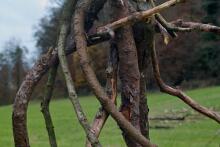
pixel 195 131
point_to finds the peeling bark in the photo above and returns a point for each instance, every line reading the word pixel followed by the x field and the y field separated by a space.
pixel 128 73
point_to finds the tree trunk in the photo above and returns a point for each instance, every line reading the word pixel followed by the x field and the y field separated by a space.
pixel 144 40
pixel 143 34
pixel 128 72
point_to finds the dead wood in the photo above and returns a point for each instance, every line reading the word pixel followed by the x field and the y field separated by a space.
pixel 69 82
pixel 91 77
pixel 178 93
pixel 111 90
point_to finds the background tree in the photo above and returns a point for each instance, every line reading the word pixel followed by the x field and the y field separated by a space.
pixel 207 53
pixel 13 68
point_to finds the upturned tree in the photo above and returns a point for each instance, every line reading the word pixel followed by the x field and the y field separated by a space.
pixel 130 32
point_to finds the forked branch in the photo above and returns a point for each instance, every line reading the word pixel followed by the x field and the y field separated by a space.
pixel 178 93
pixel 89 73
pixel 70 86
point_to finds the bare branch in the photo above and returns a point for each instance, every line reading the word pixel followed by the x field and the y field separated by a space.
pixel 178 93
pixel 45 106
pixel 162 23
pixel 111 89
pixel 138 16
pixel 92 79
pixel 70 86
pixel 181 26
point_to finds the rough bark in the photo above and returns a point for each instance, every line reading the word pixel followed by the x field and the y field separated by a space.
pixel 92 79
pixel 69 82
pixel 144 37
pixel 180 25
pixel 128 72
pixel 138 16
pixel 45 106
pixel 19 115
pixel 111 90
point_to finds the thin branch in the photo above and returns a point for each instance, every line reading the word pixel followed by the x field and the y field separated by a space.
pixel 45 106
pixel 111 89
pixel 163 31
pixel 92 79
pixel 70 85
pixel 166 25
pixel 163 23
pixel 178 93
pixel 138 16
pixel 180 25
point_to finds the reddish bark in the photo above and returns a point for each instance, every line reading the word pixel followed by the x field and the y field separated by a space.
pixel 144 37
pixel 111 90
pixel 128 73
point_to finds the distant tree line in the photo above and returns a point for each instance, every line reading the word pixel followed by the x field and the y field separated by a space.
pixel 192 64
pixel 12 70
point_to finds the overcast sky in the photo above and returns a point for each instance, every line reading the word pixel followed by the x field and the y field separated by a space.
pixel 18 19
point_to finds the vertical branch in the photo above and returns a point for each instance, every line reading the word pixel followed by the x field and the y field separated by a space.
pixel 45 105
pixel 91 78
pixel 128 72
pixel 111 89
pixel 70 86
pixel 144 37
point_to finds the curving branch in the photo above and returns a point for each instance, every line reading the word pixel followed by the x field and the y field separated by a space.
pixel 178 93
pixel 92 79
pixel 182 26
pixel 45 105
pixel 70 85
pixel 111 89
pixel 22 98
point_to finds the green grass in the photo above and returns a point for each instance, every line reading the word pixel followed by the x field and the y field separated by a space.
pixel 191 133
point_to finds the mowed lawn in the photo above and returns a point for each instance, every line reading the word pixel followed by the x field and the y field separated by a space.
pixel 196 132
